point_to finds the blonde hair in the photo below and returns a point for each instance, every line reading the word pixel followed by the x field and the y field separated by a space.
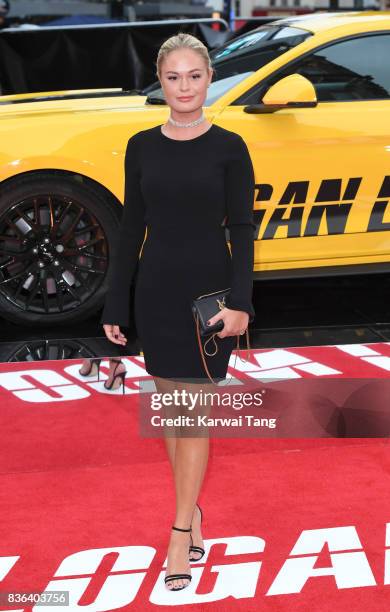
pixel 182 41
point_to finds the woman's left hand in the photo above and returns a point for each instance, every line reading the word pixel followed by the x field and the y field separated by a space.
pixel 234 322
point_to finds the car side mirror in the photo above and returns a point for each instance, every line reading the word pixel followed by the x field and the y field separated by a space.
pixel 293 91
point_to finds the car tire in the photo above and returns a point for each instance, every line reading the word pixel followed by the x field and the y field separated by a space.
pixel 55 238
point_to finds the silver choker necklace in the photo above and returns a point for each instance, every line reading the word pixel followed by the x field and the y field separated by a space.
pixel 191 124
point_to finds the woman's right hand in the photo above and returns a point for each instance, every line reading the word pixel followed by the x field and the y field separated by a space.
pixel 114 334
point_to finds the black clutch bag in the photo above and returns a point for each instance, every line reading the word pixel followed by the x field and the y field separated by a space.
pixel 203 308
pixel 206 306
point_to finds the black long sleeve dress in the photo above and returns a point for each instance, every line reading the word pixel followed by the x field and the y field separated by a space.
pixel 183 192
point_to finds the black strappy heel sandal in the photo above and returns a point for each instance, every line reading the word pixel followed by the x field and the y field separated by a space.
pixel 197 549
pixel 92 362
pixel 120 375
pixel 171 577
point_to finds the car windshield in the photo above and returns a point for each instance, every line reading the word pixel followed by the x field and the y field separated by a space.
pixel 241 57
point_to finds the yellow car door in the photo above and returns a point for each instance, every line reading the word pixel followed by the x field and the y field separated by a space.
pixel 323 173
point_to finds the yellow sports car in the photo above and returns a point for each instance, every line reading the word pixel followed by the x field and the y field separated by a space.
pixel 311 97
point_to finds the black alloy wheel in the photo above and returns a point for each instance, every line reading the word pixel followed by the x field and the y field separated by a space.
pixel 55 237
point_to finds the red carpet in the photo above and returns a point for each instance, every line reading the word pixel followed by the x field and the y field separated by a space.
pixel 87 505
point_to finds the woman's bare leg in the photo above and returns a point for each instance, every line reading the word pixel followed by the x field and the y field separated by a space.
pixel 188 457
pixel 165 386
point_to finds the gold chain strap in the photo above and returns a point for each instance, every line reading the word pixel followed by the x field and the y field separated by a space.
pixel 216 347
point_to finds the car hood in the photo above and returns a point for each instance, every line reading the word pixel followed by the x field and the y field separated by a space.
pixel 71 100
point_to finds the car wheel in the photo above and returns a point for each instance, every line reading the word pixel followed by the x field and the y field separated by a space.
pixel 55 234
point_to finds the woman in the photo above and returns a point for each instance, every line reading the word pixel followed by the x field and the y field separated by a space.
pixel 183 180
